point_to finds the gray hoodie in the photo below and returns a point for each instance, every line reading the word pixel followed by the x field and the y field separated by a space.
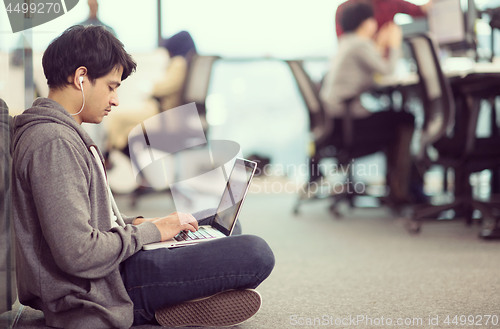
pixel 67 252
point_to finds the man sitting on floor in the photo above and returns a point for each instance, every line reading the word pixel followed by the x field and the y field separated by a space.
pixel 78 259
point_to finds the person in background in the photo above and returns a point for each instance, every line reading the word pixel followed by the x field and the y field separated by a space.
pixel 78 259
pixel 93 19
pixel 99 133
pixel 352 72
pixel 383 11
pixel 168 90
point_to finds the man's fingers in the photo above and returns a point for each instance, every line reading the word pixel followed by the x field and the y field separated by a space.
pixel 194 224
pixel 185 218
pixel 189 227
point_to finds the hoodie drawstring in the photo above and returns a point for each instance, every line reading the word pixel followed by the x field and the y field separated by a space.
pixel 114 206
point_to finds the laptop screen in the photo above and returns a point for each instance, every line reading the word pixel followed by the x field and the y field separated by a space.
pixel 234 194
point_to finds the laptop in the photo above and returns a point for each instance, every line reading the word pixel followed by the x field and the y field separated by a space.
pixel 226 214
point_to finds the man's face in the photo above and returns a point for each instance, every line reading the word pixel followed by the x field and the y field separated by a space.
pixel 101 96
pixel 371 26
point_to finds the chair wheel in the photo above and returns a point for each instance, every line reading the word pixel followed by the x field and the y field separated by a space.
pixel 334 211
pixel 413 227
pixel 133 202
pixel 490 233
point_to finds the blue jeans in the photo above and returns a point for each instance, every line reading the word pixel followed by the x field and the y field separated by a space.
pixel 162 277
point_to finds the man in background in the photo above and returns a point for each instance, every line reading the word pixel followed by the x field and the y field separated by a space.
pixel 93 19
pixel 360 57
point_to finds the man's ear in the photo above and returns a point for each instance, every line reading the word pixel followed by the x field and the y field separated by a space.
pixel 79 77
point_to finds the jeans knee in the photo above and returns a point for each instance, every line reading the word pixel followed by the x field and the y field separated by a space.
pixel 259 254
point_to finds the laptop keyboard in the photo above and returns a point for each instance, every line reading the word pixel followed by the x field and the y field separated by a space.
pixel 188 235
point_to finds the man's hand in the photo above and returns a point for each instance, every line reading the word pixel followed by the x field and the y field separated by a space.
pixel 426 6
pixel 174 223
pixel 389 36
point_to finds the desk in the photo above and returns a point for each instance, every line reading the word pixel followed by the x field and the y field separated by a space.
pixel 481 81
pixel 479 86
pixel 469 88
pixel 475 82
pixel 469 75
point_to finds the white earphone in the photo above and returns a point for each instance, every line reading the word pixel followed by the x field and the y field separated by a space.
pixel 83 95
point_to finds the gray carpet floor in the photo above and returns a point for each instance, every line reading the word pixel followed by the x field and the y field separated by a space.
pixel 361 271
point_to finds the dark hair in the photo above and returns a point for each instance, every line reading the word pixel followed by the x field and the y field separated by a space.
pixel 354 15
pixel 180 44
pixel 91 46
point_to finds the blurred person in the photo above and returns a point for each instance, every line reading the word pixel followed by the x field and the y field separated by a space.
pixel 92 19
pixel 168 90
pixel 98 133
pixel 167 94
pixel 79 260
pixel 352 72
pixel 384 11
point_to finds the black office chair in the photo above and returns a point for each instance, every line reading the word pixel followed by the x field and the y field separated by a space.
pixel 448 137
pixel 323 146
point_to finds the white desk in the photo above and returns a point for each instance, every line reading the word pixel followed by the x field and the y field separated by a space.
pixel 453 68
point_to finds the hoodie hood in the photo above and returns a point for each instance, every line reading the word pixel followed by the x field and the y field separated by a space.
pixel 45 110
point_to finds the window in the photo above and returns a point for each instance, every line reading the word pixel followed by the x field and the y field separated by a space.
pixel 277 28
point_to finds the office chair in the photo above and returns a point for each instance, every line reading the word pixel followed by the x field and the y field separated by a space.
pixel 448 136
pixel 197 83
pixel 195 90
pixel 323 147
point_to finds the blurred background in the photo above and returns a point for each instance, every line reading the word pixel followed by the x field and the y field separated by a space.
pixel 250 85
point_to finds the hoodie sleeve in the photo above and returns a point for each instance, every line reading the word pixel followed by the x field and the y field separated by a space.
pixel 60 179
